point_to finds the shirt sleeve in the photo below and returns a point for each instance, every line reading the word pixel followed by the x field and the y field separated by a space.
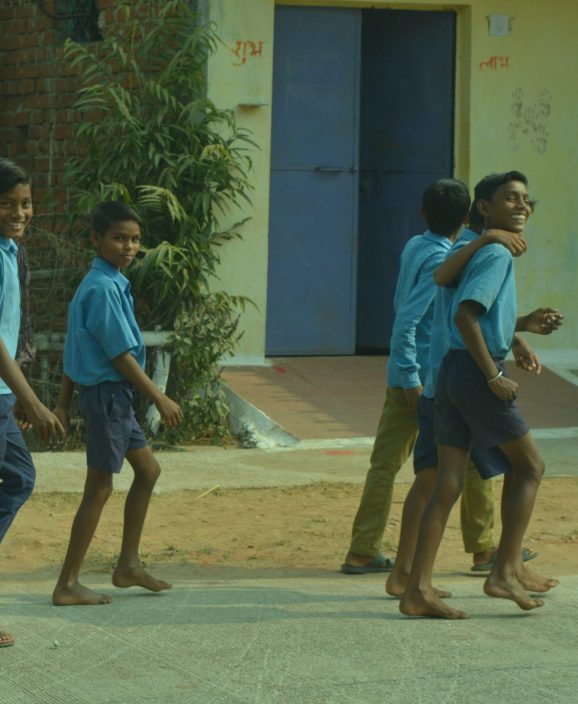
pixel 485 274
pixel 107 323
pixel 408 317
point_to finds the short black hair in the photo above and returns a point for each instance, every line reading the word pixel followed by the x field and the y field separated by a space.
pixel 445 204
pixel 486 188
pixel 11 175
pixel 111 211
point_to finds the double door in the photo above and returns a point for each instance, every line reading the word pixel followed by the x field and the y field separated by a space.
pixel 362 122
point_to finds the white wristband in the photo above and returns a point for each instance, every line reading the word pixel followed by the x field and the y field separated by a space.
pixel 495 378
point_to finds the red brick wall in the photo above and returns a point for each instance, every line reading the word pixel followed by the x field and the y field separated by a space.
pixel 37 90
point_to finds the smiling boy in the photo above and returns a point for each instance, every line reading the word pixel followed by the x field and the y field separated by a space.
pixel 475 404
pixel 17 473
pixel 104 355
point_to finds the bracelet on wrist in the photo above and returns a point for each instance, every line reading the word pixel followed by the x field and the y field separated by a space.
pixel 495 378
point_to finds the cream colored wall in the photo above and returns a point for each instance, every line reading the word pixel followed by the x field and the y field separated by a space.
pixel 515 111
pixel 240 73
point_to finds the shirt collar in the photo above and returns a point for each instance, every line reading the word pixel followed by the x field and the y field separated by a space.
pixel 441 240
pixel 8 245
pixel 119 279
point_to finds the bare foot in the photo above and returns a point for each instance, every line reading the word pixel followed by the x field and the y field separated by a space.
pixel 6 639
pixel 510 588
pixel 427 604
pixel 124 577
pixel 76 594
pixel 533 582
pixel 396 585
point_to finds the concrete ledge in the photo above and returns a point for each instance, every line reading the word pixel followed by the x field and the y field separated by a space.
pixel 254 427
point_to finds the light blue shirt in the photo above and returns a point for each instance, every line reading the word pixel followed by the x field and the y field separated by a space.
pixel 439 339
pixel 9 301
pixel 101 326
pixel 488 279
pixel 414 294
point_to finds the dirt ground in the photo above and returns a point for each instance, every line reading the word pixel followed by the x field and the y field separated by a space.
pixel 292 530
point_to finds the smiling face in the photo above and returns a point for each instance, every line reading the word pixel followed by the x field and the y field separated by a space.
pixel 509 208
pixel 15 211
pixel 119 244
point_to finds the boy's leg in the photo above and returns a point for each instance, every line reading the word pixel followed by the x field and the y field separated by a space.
pixel 129 571
pixel 519 500
pixel 394 441
pixel 17 473
pixel 17 477
pixel 420 598
pixel 68 591
pixel 477 516
pixel 413 509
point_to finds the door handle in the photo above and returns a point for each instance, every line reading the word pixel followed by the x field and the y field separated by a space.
pixel 329 169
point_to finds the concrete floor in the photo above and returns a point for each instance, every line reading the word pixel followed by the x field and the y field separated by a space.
pixel 292 636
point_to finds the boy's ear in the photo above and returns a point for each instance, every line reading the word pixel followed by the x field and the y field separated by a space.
pixel 483 207
pixel 95 239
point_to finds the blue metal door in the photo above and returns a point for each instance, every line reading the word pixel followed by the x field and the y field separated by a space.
pixel 406 141
pixel 314 182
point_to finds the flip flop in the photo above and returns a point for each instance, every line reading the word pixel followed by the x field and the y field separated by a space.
pixel 527 554
pixel 6 639
pixel 379 563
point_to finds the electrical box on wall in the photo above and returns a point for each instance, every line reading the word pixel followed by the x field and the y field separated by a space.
pixel 499 25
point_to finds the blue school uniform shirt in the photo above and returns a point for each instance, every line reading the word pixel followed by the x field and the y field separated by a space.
pixel 439 339
pixel 9 301
pixel 488 278
pixel 101 326
pixel 413 302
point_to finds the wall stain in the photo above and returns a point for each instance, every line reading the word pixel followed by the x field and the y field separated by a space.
pixel 529 120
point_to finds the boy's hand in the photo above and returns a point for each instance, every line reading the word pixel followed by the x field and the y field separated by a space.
pixel 512 241
pixel 504 388
pixel 45 424
pixel 525 357
pixel 412 395
pixel 170 411
pixel 63 415
pixel 543 321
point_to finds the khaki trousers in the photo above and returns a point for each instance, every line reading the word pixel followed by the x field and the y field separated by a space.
pixel 394 441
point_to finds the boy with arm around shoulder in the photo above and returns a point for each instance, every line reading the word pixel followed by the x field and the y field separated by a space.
pixel 104 354
pixel 475 403
pixel 445 205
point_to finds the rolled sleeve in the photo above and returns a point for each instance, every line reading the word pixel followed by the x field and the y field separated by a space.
pixel 485 281
pixel 106 322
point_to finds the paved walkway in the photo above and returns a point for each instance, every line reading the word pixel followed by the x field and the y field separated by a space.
pixel 290 636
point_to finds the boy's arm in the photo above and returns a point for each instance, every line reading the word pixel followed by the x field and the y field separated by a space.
pixel 44 423
pixel 469 326
pixel 127 365
pixel 403 341
pixel 449 270
pixel 524 356
pixel 62 410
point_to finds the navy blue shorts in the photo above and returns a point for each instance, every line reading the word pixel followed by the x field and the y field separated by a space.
pixel 111 426
pixel 466 410
pixel 489 462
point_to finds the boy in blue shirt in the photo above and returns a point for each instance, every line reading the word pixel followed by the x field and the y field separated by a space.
pixel 104 354
pixel 445 205
pixel 17 474
pixel 475 404
pixel 488 463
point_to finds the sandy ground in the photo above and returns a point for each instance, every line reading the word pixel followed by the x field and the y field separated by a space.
pixel 242 530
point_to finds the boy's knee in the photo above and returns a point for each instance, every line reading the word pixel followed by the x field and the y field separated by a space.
pixel 449 489
pixel 99 493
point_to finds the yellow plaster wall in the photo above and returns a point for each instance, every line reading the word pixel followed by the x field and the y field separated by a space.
pixel 516 111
